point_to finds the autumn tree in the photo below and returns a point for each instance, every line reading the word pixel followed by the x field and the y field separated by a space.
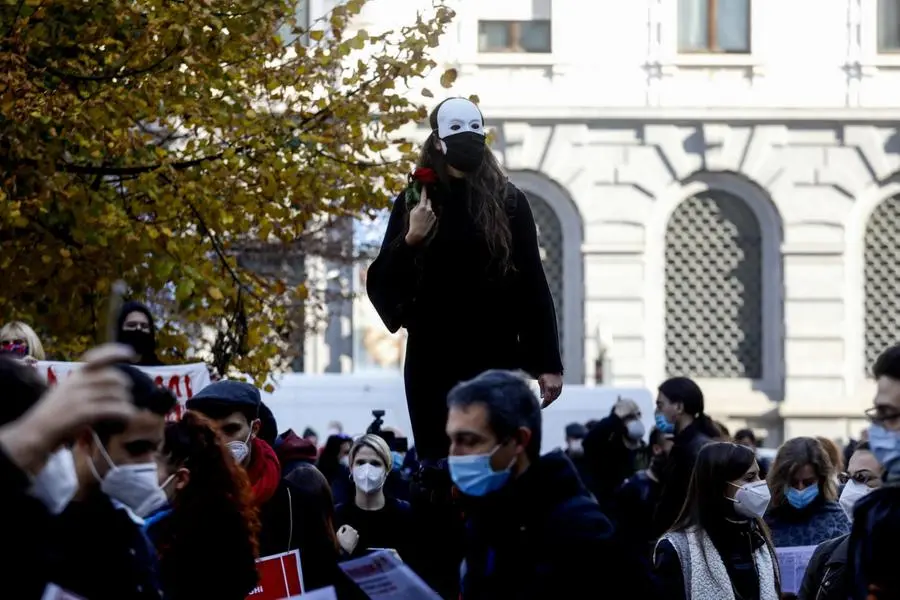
pixel 155 140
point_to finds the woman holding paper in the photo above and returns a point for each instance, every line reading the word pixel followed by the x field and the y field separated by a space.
pixel 719 549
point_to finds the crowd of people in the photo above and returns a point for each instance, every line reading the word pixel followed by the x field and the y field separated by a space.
pixel 107 499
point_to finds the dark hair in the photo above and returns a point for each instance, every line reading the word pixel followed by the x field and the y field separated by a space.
pixel 745 434
pixel 888 364
pixel 309 432
pixel 145 395
pixel 22 389
pixel 313 509
pixel 723 431
pixel 214 520
pixel 685 391
pixel 863 446
pixel 130 307
pixel 328 459
pixel 488 198
pixel 793 455
pixel 510 405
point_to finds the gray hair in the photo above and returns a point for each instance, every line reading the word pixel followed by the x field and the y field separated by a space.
pixel 510 404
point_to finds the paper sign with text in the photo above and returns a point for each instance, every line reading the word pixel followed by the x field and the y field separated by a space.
pixel 328 593
pixel 182 380
pixel 280 577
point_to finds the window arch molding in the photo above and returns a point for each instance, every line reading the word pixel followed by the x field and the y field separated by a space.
pixel 864 206
pixel 771 230
pixel 558 199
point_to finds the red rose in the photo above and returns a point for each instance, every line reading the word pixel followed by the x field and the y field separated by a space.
pixel 424 175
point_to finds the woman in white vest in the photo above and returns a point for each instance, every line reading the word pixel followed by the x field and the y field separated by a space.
pixel 719 548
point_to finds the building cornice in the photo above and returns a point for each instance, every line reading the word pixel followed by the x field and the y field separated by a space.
pixel 669 114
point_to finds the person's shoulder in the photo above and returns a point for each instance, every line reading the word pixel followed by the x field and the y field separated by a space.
pixel 579 518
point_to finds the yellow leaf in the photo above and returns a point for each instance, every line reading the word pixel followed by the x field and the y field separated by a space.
pixel 317 35
pixel 214 293
pixel 474 99
pixel 449 77
pixel 427 93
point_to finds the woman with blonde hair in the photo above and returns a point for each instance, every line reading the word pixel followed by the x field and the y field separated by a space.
pixel 380 521
pixel 805 509
pixel 19 339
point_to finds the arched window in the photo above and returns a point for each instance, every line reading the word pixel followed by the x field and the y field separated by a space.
pixel 714 289
pixel 551 245
pixel 882 256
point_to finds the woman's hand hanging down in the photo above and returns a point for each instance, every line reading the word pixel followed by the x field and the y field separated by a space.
pixel 421 220
pixel 348 538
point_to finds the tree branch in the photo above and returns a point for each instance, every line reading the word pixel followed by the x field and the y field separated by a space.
pixel 75 77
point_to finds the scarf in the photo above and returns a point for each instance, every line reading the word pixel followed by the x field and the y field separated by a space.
pixel 264 471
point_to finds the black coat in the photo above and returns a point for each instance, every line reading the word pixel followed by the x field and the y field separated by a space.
pixel 826 574
pixel 609 461
pixel 451 286
pixel 543 536
pixel 677 476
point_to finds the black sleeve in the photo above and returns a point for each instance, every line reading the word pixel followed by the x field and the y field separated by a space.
pixel 391 279
pixel 668 571
pixel 538 333
pixel 812 579
pixel 606 456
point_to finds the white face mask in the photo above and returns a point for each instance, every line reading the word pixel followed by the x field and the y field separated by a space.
pixel 57 482
pixel 369 478
pixel 752 499
pixel 576 447
pixel 853 491
pixel 344 460
pixel 241 450
pixel 635 429
pixel 136 486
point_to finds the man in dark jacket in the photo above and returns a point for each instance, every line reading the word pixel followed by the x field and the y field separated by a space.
pixel 236 409
pixel 532 529
pixel 100 550
pixel 614 450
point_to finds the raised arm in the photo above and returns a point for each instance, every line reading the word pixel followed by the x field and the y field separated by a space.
pixel 391 279
pixel 538 333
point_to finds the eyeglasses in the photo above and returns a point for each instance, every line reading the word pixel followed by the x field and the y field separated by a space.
pixel 880 414
pixel 862 477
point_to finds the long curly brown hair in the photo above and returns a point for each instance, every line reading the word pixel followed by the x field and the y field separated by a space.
pixel 211 536
pixel 487 202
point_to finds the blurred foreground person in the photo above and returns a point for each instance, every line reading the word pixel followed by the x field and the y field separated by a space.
pixel 37 469
pixel 100 548
pixel 872 559
pixel 533 531
pixel 206 533
pixel 827 577
pixel 719 548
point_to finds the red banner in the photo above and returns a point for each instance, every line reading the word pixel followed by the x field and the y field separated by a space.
pixel 280 577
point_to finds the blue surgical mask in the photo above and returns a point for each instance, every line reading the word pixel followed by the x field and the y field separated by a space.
pixel 885 445
pixel 664 425
pixel 398 460
pixel 801 498
pixel 474 475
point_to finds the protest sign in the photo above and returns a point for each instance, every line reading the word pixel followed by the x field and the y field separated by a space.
pixel 792 561
pixel 182 380
pixel 382 576
pixel 280 577
pixel 328 593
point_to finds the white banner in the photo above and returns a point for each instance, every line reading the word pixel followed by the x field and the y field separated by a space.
pixel 182 380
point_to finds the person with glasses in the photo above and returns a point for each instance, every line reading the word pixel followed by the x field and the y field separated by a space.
pixel 872 562
pixel 827 576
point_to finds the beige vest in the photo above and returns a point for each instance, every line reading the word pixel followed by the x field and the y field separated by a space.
pixel 705 576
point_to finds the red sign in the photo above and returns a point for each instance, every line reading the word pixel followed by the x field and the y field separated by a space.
pixel 280 577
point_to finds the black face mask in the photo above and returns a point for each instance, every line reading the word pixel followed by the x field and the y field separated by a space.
pixel 142 341
pixel 465 151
